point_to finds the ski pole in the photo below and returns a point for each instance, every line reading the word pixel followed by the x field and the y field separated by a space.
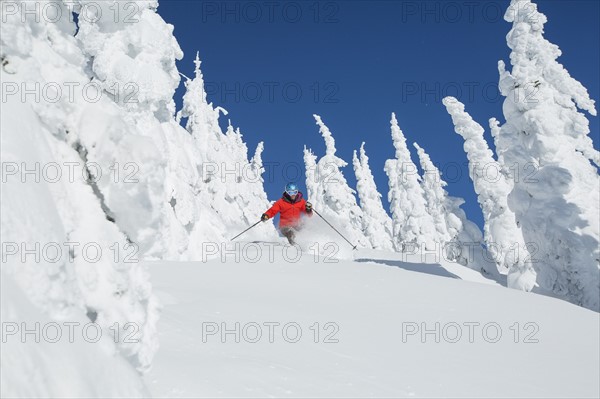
pixel 246 230
pixel 336 230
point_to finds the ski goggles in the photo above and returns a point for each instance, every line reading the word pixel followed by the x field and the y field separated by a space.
pixel 292 192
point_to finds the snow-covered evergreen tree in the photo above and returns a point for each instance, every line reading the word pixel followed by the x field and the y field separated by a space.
pixel 131 58
pixel 310 165
pixel 377 223
pixel 456 234
pixel 143 198
pixel 412 224
pixel 502 234
pixel 255 174
pixel 132 54
pixel 229 188
pixel 545 145
pixel 86 211
pixel 435 195
pixel 329 192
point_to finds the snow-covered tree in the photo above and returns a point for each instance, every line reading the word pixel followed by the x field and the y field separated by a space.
pixel 312 182
pixel 132 54
pixel 412 224
pixel 546 148
pixel 435 195
pixel 144 196
pixel 86 211
pixel 456 234
pixel 329 192
pixel 256 166
pixel 377 223
pixel 202 116
pixel 229 188
pixel 502 234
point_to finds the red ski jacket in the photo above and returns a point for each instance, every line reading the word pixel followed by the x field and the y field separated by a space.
pixel 290 210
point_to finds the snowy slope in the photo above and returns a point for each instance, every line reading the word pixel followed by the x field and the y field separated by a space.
pixel 40 369
pixel 369 302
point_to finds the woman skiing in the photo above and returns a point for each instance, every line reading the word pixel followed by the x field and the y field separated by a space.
pixel 290 206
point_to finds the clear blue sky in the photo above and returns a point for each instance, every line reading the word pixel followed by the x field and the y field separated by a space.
pixel 273 64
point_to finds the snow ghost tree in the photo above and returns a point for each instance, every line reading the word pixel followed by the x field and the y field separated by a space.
pixel 503 237
pixel 377 223
pixel 329 192
pixel 131 55
pixel 95 207
pixel 455 233
pixel 254 175
pixel 545 145
pixel 435 195
pixel 412 224
pixel 143 198
pixel 228 188
pixel 312 183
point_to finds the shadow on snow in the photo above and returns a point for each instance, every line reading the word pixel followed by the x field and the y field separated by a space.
pixel 433 269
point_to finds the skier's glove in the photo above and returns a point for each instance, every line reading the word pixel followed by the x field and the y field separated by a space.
pixel 264 217
pixel 308 207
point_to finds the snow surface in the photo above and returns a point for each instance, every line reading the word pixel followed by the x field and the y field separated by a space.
pixel 58 369
pixel 369 300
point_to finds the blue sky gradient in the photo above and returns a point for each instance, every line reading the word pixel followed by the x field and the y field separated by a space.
pixel 274 64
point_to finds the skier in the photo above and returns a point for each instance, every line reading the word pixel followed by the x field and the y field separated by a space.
pixel 291 205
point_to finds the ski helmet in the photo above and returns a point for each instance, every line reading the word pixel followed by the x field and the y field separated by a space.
pixel 291 188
